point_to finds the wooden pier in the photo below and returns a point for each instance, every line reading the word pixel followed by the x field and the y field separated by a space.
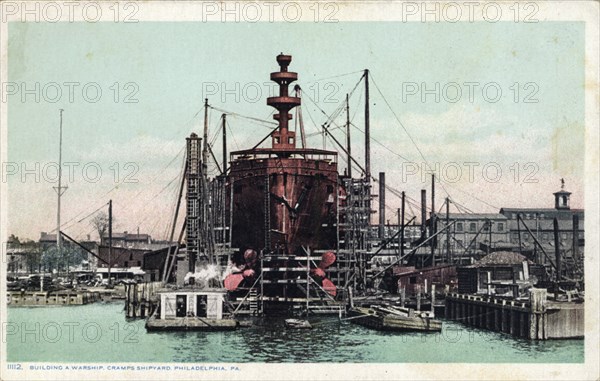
pixel 536 318
pixel 54 298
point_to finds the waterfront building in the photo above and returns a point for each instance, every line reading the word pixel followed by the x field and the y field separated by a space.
pixel 537 224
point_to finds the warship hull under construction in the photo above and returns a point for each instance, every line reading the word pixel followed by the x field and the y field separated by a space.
pixel 283 201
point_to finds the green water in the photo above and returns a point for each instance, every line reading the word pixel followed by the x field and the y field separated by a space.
pixel 100 333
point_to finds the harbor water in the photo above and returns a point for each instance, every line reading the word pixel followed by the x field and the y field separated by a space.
pixel 100 332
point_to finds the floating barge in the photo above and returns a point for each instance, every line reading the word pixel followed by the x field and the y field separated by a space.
pixel 190 309
pixel 394 319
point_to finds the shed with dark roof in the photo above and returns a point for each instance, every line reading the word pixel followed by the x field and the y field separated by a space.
pixel 498 272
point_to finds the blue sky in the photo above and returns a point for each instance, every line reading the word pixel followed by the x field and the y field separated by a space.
pixel 171 63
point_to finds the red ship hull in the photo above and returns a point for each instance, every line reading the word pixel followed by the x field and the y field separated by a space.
pixel 299 195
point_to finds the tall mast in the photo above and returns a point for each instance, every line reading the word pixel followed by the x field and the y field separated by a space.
pixel 367 130
pixel 381 205
pixel 432 221
pixel 423 217
pixel 205 145
pixel 348 141
pixel 59 189
pixel 109 239
pixel 448 230
pixel 224 144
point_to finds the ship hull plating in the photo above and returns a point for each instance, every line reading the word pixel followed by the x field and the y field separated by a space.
pixel 282 204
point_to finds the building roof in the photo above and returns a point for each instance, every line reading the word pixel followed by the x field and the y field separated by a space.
pixel 541 210
pixel 547 225
pixel 473 216
pixel 45 237
pixel 500 258
pixel 128 236
pixel 118 270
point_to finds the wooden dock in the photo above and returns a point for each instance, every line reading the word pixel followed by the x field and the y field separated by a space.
pixel 536 318
pixel 51 298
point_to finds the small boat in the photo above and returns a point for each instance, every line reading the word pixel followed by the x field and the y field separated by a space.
pixel 394 319
pixel 297 324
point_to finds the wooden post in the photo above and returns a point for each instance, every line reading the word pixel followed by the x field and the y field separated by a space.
pixel 418 297
pixel 403 296
pixel 557 254
pixel 489 281
pixel 525 270
pixel 537 301
pixel 496 319
pixel 401 225
pixel 519 233
pixel 128 299
pixel 350 297
pixel 522 324
pixel 432 300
